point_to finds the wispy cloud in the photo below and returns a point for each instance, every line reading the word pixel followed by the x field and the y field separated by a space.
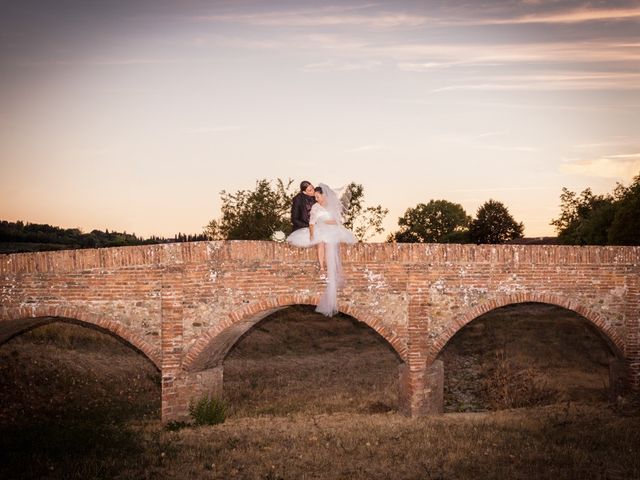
pixel 474 54
pixel 106 62
pixel 557 81
pixel 366 148
pixel 491 134
pixel 215 129
pixel 620 141
pixel 372 16
pixel 580 15
pixel 622 166
pixel 340 66
pixel 330 16
pixel 499 189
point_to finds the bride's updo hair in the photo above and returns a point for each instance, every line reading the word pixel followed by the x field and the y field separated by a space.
pixel 319 190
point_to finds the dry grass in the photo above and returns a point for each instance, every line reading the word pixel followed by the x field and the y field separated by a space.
pixel 316 398
pixel 298 361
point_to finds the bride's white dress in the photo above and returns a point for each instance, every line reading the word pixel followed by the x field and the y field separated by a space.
pixel 332 235
pixel 322 232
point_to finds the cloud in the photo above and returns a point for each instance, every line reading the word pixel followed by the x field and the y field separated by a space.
pixel 549 81
pixel 366 148
pixel 409 56
pixel 622 166
pixel 106 62
pixel 331 16
pixel 580 15
pixel 425 66
pixel 491 134
pixel 371 16
pixel 335 66
pixel 215 129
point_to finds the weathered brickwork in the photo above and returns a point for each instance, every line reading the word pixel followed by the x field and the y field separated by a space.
pixel 184 306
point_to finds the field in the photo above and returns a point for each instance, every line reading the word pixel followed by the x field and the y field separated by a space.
pixel 310 397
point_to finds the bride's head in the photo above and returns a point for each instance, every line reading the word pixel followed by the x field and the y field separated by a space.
pixel 319 194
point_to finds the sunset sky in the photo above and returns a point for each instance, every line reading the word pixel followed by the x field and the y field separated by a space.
pixel 132 115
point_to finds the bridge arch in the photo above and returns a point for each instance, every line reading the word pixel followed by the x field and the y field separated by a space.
pixel 211 347
pixel 613 340
pixel 14 321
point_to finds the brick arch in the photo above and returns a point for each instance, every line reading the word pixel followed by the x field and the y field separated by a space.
pixel 116 329
pixel 608 333
pixel 217 341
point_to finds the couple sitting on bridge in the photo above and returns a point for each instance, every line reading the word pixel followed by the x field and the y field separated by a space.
pixel 316 214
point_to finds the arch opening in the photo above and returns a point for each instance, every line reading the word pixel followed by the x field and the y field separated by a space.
pixel 56 370
pixel 294 360
pixel 527 354
pixel 10 329
pixel 211 348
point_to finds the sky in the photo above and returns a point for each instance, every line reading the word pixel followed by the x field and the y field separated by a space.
pixel 133 115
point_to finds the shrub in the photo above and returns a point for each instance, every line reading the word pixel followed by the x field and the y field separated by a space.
pixel 208 410
pixel 506 386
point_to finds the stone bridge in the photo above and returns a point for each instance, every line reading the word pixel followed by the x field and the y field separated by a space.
pixel 185 305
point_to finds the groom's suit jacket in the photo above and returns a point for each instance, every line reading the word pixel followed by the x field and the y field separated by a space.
pixel 301 210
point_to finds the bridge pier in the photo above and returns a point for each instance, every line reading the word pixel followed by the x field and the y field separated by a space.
pixel 180 388
pixel 422 389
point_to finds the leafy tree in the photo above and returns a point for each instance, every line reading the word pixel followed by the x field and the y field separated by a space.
pixel 494 224
pixel 253 214
pixel 584 219
pixel 625 228
pixel 588 219
pixel 438 221
pixel 364 222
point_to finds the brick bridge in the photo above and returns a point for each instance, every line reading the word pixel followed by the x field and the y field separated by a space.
pixel 185 305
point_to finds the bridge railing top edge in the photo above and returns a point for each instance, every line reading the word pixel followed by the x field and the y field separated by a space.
pixel 165 255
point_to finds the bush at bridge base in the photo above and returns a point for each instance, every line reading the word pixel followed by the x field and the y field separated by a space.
pixel 208 410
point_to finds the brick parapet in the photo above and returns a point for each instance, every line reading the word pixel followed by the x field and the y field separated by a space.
pixel 268 252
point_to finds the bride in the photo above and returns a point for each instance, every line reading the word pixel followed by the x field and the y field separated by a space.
pixel 326 231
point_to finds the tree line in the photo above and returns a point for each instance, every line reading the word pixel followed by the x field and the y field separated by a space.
pixel 255 214
pixel 585 218
pixel 23 236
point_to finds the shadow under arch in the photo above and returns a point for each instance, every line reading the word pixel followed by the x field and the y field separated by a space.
pixel 211 348
pixel 606 332
pixel 15 321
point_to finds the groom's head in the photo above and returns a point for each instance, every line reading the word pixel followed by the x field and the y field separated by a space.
pixel 307 188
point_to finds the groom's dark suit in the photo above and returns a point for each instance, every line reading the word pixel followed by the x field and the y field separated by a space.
pixel 301 210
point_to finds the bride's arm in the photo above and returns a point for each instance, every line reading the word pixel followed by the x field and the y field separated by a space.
pixel 313 219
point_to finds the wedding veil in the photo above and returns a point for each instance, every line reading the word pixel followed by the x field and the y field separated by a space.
pixel 334 205
pixel 328 304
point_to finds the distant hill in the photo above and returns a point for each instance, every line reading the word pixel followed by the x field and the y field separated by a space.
pixel 21 236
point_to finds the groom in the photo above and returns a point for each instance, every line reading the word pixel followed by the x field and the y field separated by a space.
pixel 301 206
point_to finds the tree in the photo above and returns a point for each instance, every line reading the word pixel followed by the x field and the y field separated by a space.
pixel 364 222
pixel 438 221
pixel 625 228
pixel 494 224
pixel 589 219
pixel 253 214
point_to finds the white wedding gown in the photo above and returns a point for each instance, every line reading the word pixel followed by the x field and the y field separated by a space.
pixel 322 232
pixel 332 235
